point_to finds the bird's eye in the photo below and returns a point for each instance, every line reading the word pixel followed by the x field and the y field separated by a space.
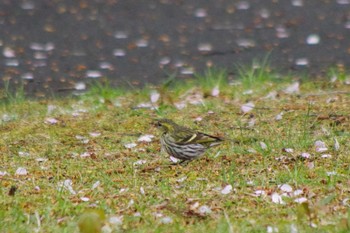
pixel 159 124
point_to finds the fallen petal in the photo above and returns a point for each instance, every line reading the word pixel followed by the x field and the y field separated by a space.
pixel 85 155
pixel 51 121
pixel 320 146
pixel 130 145
pixel 227 189
pixel 95 134
pixel 286 188
pixel 21 171
pixel 145 138
pixel 142 191
pixel 297 192
pixel 140 162
pixel 336 145
pixel 271 229
pixel 174 160
pixel 215 91
pixel 85 199
pixel 166 220
pixel 332 173
pixel 276 198
pixel 96 184
pixel 301 200
pixel 67 184
pixel 305 155
pixel 204 209
pixel 259 193
pixel 263 145
pixel 23 154
pixel 288 150
pixel 3 173
pixel 293 88
pixel 279 116
pixel 245 108
pixel 182 179
pixel 116 220
pixel 154 96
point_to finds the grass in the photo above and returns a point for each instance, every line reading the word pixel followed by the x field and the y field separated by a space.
pixel 80 173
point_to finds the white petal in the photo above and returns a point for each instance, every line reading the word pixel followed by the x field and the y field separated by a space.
pixel 286 188
pixel 215 91
pixel 198 119
pixel 142 191
pixel 300 200
pixel 297 192
pixel 130 145
pixel 93 74
pixel 85 155
pixel 166 220
pixel 23 154
pixel 289 150
pixel 204 209
pixel 336 145
pixel 85 199
pixel 332 173
pixel 21 171
pixel 67 184
pixel 95 134
pixel 279 117
pixel 137 214
pixel 259 193
pixel 263 145
pixel 293 88
pixel 140 162
pixel 305 155
pixel 227 189
pixel 320 146
pixel 245 108
pixel 182 179
pixel 180 105
pixel 8 52
pixel 2 173
pixel 194 206
pixel 272 95
pixel 96 184
pixel 116 220
pixel 154 96
pixel 174 160
pixel 79 86
pixel 276 198
pixel 145 138
pixel 321 149
pixel 271 229
pixel 248 92
pixel 122 190
pixel 313 39
pixel 51 121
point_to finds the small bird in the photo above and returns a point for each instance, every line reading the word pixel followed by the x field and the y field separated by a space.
pixel 184 143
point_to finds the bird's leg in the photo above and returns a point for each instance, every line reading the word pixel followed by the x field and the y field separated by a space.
pixel 184 162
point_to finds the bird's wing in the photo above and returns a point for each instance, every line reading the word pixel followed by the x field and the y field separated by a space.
pixel 200 138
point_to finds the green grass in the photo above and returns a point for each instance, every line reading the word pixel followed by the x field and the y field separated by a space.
pixel 139 188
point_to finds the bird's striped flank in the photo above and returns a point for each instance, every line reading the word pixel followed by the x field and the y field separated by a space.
pixel 184 143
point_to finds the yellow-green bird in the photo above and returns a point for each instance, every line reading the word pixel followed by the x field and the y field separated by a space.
pixel 184 143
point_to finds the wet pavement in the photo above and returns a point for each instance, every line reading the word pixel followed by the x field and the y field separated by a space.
pixel 59 46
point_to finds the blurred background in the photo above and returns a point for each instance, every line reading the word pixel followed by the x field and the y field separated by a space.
pixel 58 47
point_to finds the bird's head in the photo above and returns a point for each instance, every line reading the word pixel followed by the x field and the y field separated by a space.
pixel 165 125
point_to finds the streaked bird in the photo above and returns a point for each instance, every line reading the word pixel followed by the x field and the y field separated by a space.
pixel 184 143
